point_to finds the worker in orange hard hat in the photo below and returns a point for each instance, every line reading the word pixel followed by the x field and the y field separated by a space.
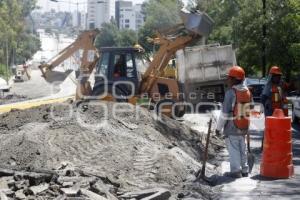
pixel 274 93
pixel 234 121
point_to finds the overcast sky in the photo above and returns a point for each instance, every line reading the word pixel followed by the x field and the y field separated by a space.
pixel 65 6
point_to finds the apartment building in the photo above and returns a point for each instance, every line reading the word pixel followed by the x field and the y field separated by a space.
pixel 128 15
pixel 99 12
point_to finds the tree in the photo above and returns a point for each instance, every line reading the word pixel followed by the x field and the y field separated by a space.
pixel 240 23
pixel 160 15
pixel 13 35
pixel 111 36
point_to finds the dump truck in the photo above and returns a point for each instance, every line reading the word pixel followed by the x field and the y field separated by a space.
pixel 202 72
pixel 117 76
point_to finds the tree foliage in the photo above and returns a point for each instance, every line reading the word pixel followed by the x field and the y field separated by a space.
pixel 159 15
pixel 112 36
pixel 15 42
pixel 239 22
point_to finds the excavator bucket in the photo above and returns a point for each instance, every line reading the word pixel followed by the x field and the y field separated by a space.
pixel 56 76
pixel 197 22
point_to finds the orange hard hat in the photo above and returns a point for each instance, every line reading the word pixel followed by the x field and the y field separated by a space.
pixel 237 72
pixel 275 70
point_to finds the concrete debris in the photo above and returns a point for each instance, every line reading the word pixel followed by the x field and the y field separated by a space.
pixel 6 172
pixel 91 195
pixel 3 183
pixel 70 192
pixel 34 190
pixel 3 196
pixel 56 189
pixel 20 195
pixel 150 194
pixel 96 152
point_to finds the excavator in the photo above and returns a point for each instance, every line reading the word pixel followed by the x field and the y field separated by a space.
pixel 119 74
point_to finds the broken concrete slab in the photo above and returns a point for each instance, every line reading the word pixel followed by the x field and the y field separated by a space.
pixel 150 194
pixel 8 193
pixel 67 184
pixel 20 195
pixel 3 196
pixel 34 190
pixel 71 192
pixel 91 195
pixel 6 172
pixel 3 184
pixel 102 189
pixel 23 184
pixel 33 177
pixel 62 179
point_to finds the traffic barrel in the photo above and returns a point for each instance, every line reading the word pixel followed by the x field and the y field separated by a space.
pixel 277 158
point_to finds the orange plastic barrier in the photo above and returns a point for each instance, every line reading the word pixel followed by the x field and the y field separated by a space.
pixel 277 158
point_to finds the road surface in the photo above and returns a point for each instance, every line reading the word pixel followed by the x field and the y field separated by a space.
pixel 37 87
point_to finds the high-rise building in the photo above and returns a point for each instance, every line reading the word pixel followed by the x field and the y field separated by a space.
pixel 100 12
pixel 79 20
pixel 129 16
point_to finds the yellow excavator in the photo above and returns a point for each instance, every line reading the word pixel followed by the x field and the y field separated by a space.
pixel 119 74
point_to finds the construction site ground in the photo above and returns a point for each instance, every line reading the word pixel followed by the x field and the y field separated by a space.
pixel 61 151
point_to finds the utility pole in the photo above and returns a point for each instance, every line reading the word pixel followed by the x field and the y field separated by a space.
pixel 264 32
pixel 7 62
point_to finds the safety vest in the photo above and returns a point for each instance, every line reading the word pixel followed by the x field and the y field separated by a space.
pixel 279 101
pixel 241 110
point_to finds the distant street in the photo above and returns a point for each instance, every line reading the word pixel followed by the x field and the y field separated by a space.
pixel 50 46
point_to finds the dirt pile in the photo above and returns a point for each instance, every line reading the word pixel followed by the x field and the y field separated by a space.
pixel 123 143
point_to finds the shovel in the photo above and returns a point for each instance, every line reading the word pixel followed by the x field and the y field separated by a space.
pixel 250 156
pixel 201 173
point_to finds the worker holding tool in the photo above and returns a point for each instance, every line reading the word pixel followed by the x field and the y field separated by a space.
pixel 234 121
pixel 273 95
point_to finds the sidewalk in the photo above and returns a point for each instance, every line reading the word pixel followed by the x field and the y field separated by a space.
pixel 257 187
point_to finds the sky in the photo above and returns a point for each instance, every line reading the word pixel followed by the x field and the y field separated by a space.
pixel 64 5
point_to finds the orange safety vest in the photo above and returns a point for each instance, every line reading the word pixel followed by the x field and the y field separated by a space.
pixel 241 110
pixel 279 101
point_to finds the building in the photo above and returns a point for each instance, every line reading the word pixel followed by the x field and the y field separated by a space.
pixel 79 20
pixel 100 12
pixel 129 16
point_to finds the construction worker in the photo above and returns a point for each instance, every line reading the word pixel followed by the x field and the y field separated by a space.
pixel 234 120
pixel 119 68
pixel 273 95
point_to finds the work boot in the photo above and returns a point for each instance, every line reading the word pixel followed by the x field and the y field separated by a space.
pixel 245 174
pixel 233 174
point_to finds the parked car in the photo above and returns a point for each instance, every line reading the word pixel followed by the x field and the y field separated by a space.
pixel 256 86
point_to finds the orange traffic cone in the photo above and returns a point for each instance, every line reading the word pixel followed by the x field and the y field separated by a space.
pixel 277 158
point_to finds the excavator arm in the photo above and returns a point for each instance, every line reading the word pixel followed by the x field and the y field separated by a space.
pixel 195 25
pixel 167 50
pixel 89 56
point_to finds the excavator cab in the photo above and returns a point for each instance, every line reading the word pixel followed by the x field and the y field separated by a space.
pixel 117 71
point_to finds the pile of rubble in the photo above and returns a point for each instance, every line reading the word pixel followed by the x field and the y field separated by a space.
pixel 66 183
pixel 125 152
